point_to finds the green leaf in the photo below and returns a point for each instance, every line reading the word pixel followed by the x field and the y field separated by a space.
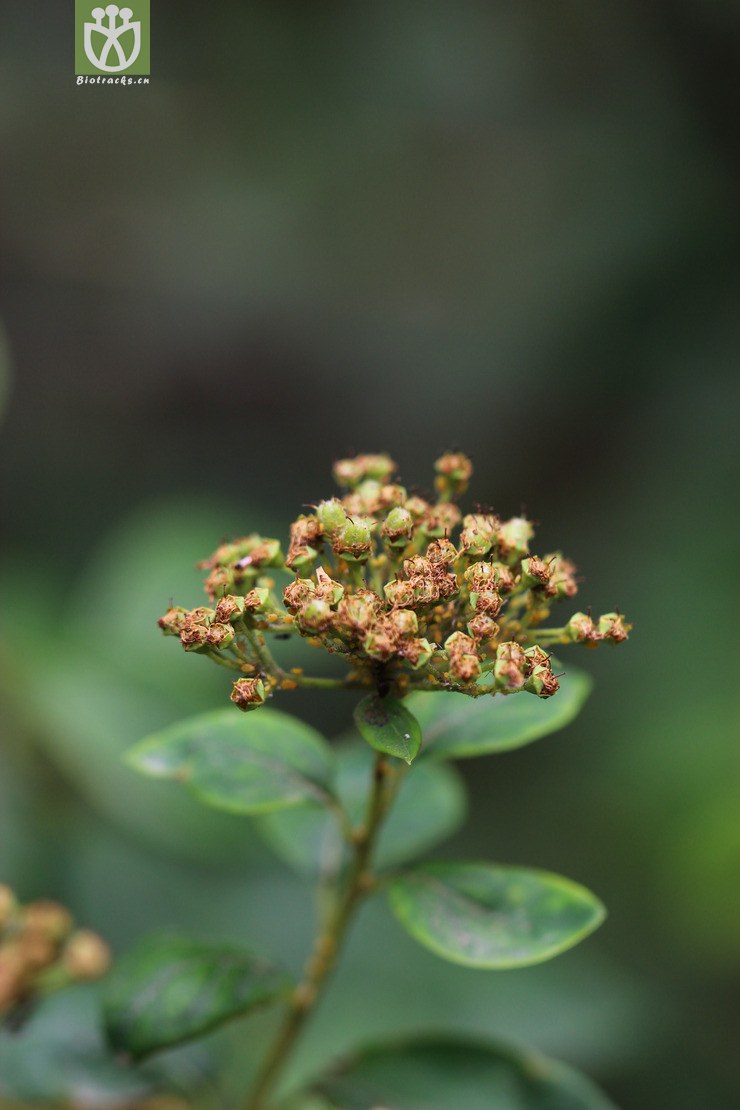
pixel 483 915
pixel 437 1074
pixel 388 726
pixel 429 807
pixel 458 727
pixel 169 990
pixel 244 763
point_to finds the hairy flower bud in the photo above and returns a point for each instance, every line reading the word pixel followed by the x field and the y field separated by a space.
pixel 350 472
pixel 403 621
pixel 510 668
pixel 172 622
pixel 331 515
pixel 417 506
pixel 482 627
pixel 536 573
pixel 354 541
pixel 562 576
pixel 220 636
pixel 398 528
pixel 439 520
pixel 540 679
pixel 327 589
pixel 399 593
pixel 417 651
pixel 298 592
pixel 479 533
pixel 514 536
pixel 487 601
pixel 248 693
pixel 581 629
pixel 391 495
pixel 612 627
pixel 315 615
pixel 454 471
pixel 441 553
pixel 463 658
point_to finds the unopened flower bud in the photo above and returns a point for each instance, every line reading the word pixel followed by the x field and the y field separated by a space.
pixel 403 621
pixel 171 623
pixel 454 471
pixel 486 601
pixel 399 593
pixel 194 635
pixel 441 553
pixel 354 541
pixel 417 651
pixel 562 576
pixel 463 659
pixel 220 636
pixel 221 581
pixel 248 693
pixel 297 593
pixel 612 627
pixel 540 679
pixel 316 615
pixel 535 573
pixel 482 627
pixel 350 472
pixel 582 629
pixel 47 918
pixel 439 520
pixel 391 495
pixel 417 506
pixel 398 528
pixel 380 643
pixel 331 515
pixel 514 536
pixel 510 668
pixel 327 589
pixel 479 533
pixel 86 956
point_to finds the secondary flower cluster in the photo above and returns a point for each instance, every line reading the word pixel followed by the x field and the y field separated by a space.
pixel 41 951
pixel 414 594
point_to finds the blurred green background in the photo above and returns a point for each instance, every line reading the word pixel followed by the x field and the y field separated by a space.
pixel 326 228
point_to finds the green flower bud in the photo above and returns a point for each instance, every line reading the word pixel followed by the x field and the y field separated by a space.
pixel 350 472
pixel 479 575
pixel 482 627
pixel 327 589
pixel 441 553
pixel 536 573
pixel 417 506
pixel 562 576
pixel 380 644
pixel 357 612
pixel 439 520
pixel 540 680
pixel 354 541
pixel 581 629
pixel 612 627
pixel 417 652
pixel 454 471
pixel 221 581
pixel 463 659
pixel 220 636
pixel 172 622
pixel 331 515
pixel 391 495
pixel 403 621
pixel 510 669
pixel 248 693
pixel 297 593
pixel 514 537
pixel 315 615
pixel 399 593
pixel 398 528
pixel 487 601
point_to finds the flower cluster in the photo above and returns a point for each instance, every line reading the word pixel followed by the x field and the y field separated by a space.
pixel 414 594
pixel 41 951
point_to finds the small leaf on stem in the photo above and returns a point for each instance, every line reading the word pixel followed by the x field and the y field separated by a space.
pixel 389 727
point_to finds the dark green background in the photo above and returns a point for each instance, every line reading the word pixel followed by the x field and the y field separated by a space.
pixel 331 227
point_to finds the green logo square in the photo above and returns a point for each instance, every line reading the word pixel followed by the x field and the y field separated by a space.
pixel 112 40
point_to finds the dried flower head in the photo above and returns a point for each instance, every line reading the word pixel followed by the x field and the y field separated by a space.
pixel 386 580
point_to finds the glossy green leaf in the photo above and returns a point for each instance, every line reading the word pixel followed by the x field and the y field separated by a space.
pixel 244 763
pixel 429 807
pixel 169 990
pixel 437 1074
pixel 388 726
pixel 483 915
pixel 458 727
